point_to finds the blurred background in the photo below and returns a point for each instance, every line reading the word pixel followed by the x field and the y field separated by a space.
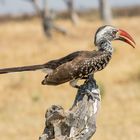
pixel 36 31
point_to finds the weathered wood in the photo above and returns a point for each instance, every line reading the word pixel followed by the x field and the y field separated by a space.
pixel 79 123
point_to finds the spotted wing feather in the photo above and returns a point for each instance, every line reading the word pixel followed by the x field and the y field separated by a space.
pixel 79 66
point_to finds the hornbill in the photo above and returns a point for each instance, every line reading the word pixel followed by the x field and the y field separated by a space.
pixel 80 64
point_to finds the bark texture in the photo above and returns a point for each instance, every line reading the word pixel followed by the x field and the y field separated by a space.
pixel 79 123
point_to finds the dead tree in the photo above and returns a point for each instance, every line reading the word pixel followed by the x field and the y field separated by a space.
pixel 36 7
pixel 47 18
pixel 105 11
pixel 48 21
pixel 71 11
pixel 79 123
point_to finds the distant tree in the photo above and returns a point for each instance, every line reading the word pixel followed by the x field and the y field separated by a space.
pixel 48 21
pixel 71 11
pixel 47 18
pixel 36 6
pixel 105 11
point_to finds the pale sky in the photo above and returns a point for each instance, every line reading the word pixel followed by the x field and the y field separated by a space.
pixel 20 6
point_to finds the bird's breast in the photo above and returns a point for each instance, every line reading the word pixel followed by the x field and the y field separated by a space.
pixel 100 63
pixel 93 65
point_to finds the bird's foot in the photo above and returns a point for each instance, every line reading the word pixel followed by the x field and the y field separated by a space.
pixel 76 86
pixel 94 93
pixel 73 83
pixel 90 88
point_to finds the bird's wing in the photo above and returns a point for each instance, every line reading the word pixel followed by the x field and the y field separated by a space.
pixel 75 68
pixel 56 63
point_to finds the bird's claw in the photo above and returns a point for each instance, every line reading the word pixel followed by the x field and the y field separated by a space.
pixel 94 94
pixel 76 86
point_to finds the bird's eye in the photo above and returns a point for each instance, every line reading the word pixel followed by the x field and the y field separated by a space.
pixel 114 32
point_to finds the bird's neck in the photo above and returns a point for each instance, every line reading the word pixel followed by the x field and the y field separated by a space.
pixel 106 46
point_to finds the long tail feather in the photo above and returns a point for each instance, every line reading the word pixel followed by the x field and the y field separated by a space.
pixel 20 69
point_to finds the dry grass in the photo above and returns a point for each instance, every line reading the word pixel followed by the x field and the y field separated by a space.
pixel 23 100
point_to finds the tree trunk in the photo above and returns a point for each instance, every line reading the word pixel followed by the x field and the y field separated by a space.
pixel 105 11
pixel 48 22
pixel 71 10
pixel 47 18
pixel 36 7
pixel 79 123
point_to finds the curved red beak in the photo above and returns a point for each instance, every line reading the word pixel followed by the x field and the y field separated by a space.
pixel 124 36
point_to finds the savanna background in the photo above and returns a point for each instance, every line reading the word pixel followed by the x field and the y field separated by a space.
pixel 23 100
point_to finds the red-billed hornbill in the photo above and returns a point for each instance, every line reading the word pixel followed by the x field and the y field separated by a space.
pixel 80 64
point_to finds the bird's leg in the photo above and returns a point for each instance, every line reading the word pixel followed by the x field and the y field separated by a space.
pixel 73 83
pixel 91 78
pixel 85 78
pixel 92 81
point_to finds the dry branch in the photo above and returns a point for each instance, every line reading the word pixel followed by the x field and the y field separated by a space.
pixel 79 123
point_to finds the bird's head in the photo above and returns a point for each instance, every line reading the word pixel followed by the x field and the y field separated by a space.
pixel 105 34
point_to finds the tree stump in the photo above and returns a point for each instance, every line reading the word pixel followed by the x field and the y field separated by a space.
pixel 79 123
